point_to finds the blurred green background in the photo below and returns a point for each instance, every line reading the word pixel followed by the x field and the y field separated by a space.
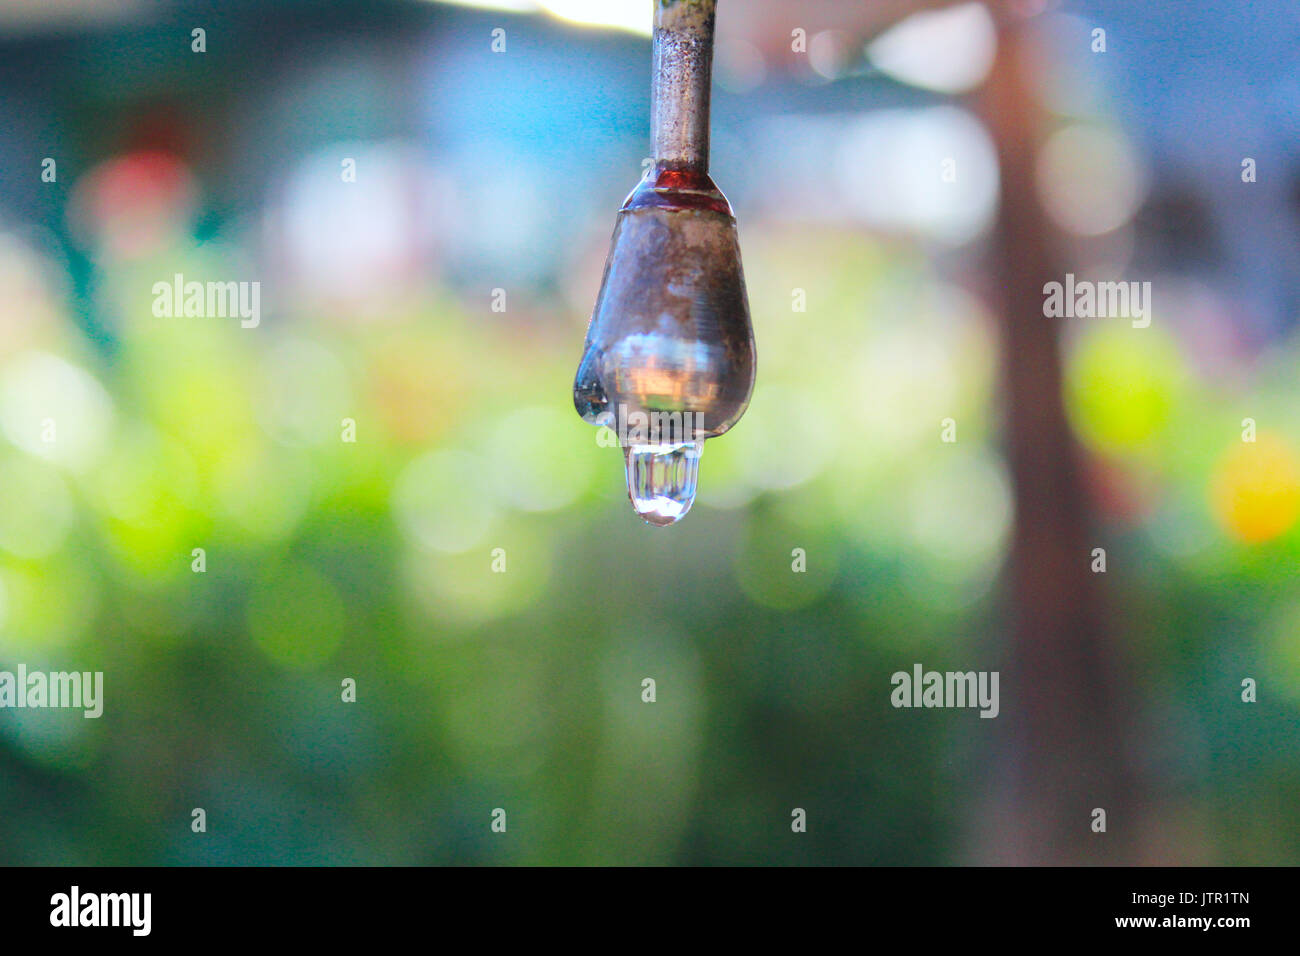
pixel 476 171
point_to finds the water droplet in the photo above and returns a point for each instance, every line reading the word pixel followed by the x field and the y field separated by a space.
pixel 661 480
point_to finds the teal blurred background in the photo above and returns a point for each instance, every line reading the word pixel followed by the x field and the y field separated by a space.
pixel 478 171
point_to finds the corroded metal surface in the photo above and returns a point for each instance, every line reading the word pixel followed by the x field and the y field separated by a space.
pixel 671 332
pixel 683 71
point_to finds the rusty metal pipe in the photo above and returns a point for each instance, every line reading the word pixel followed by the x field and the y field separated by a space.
pixel 682 77
pixel 670 349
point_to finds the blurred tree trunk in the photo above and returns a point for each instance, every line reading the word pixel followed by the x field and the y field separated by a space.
pixel 1060 746
pixel 1060 741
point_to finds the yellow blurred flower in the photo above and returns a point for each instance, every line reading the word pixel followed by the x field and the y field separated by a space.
pixel 1255 489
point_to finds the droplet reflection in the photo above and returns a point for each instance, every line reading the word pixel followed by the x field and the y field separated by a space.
pixel 661 480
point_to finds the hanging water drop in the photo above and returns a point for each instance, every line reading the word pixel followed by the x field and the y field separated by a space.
pixel 661 480
pixel 669 356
